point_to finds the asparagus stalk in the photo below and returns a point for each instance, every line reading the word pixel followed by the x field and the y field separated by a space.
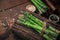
pixel 40 4
pixel 50 32
pixel 39 9
pixel 32 21
pixel 25 22
pixel 37 24
pixel 36 20
pixel 53 38
pixel 53 29
pixel 40 1
pixel 36 27
pixel 46 37
pixel 25 33
pixel 29 20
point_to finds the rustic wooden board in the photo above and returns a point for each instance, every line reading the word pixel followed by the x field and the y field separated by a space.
pixel 5 4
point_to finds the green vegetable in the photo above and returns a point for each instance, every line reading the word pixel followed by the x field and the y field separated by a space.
pixel 40 4
pixel 51 32
pixel 51 28
pixel 42 8
pixel 28 19
pixel 46 37
pixel 39 9
pixel 43 5
pixel 40 1
pixel 26 22
pixel 36 20
pixel 32 22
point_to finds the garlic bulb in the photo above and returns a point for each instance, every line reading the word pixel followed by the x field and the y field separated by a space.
pixel 31 8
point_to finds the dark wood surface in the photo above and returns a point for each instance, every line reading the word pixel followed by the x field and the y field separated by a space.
pixel 4 4
pixel 11 8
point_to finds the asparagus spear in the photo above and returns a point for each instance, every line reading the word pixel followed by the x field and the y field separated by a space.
pixel 39 9
pixel 25 33
pixel 36 26
pixel 33 21
pixel 50 32
pixel 40 4
pixel 53 29
pixel 42 7
pixel 51 36
pixel 46 37
pixel 29 20
pixel 25 22
pixel 36 20
pixel 40 1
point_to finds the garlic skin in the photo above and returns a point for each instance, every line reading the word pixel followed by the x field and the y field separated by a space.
pixel 31 8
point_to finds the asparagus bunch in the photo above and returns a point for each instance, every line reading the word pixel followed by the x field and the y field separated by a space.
pixel 42 8
pixel 33 22
pixel 25 33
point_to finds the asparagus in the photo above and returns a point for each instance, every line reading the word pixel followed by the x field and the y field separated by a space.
pixel 40 4
pixel 51 36
pixel 53 29
pixel 25 22
pixel 46 37
pixel 25 33
pixel 40 1
pixel 36 20
pixel 50 32
pixel 39 9
pixel 28 19
pixel 33 22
